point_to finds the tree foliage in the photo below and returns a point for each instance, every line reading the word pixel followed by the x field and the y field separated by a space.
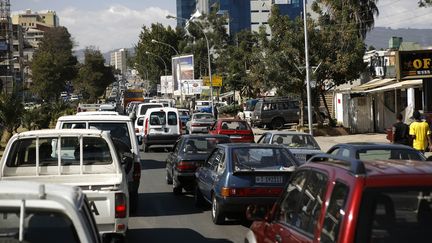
pixel 150 66
pixel 425 3
pixel 53 64
pixel 93 76
pixel 11 110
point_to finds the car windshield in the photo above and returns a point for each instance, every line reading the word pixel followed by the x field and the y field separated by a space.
pixel 203 145
pixel 296 141
pixel 202 116
pixel 391 153
pixel 261 159
pixel 395 215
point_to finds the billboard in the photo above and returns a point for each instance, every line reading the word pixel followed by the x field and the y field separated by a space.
pixel 167 84
pixel 192 87
pixel 414 64
pixel 182 69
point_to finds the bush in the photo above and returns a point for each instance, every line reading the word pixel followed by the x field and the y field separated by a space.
pixel 229 109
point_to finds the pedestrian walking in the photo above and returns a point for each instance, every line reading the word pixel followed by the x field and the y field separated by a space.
pixel 400 131
pixel 420 133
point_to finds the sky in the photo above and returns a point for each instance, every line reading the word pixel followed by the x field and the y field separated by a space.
pixel 113 24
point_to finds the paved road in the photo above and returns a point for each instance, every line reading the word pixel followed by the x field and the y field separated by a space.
pixel 163 217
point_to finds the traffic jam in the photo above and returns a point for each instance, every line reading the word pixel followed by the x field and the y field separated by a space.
pixel 79 182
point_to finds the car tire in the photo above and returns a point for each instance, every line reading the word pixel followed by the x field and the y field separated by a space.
pixel 168 178
pixel 218 217
pixel 177 190
pixel 277 123
pixel 145 147
pixel 198 197
pixel 133 202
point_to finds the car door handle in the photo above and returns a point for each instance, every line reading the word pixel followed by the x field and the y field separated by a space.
pixel 278 239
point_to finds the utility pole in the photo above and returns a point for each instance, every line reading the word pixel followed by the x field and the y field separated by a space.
pixel 308 89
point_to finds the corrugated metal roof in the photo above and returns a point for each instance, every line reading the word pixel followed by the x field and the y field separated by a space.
pixel 399 85
pixel 375 83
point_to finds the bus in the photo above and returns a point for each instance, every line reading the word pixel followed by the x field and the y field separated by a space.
pixel 130 95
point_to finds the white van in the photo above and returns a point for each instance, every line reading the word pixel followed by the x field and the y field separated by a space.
pixel 140 112
pixel 162 126
pixel 165 102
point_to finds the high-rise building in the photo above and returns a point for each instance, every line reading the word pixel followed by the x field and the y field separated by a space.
pixel 185 9
pixel 260 11
pixel 118 60
pixel 6 46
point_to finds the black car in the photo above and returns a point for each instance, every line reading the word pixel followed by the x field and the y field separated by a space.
pixel 376 151
pixel 189 152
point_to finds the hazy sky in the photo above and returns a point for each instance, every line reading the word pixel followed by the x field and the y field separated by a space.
pixel 112 24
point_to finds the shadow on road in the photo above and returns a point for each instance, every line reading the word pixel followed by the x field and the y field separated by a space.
pixel 170 235
pixel 150 164
pixel 165 204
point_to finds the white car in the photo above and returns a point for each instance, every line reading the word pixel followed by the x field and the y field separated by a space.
pixel 51 213
pixel 84 158
pixel 162 126
pixel 140 111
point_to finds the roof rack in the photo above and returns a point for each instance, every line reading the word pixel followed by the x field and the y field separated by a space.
pixel 355 166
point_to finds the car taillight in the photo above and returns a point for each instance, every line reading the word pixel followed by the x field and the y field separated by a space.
pixel 120 205
pixel 146 127
pixel 186 165
pixel 251 192
pixel 137 171
pixel 136 130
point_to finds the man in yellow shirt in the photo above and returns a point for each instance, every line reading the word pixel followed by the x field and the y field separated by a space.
pixel 420 132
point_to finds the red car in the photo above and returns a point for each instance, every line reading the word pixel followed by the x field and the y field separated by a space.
pixel 238 130
pixel 333 199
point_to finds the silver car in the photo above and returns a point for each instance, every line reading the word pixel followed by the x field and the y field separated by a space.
pixel 199 123
pixel 302 145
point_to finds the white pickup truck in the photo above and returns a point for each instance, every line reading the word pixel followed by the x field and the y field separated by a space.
pixel 83 158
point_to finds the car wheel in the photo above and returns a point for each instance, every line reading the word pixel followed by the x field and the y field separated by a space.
pixel 133 202
pixel 168 178
pixel 277 123
pixel 177 189
pixel 145 147
pixel 198 197
pixel 218 216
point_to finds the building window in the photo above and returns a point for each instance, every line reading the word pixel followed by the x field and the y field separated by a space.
pixel 265 11
pixel 255 23
pixel 254 11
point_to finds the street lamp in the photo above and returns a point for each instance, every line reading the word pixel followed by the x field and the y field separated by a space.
pixel 152 54
pixel 208 55
pixel 308 89
pixel 172 47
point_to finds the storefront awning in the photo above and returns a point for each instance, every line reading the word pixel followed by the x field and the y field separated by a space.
pixel 375 83
pixel 399 85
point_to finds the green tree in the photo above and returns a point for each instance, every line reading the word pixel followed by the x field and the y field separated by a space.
pixel 149 66
pixel 11 111
pixel 93 76
pixel 53 64
pixel 425 3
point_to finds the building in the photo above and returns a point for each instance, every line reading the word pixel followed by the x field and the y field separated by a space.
pixel 6 48
pixel 185 9
pixel 118 61
pixel 260 11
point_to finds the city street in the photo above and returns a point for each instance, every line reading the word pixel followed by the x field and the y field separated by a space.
pixel 163 217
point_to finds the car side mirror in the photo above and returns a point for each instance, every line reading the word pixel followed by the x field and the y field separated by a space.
pixel 257 212
pixel 140 121
pixel 132 116
pixel 126 159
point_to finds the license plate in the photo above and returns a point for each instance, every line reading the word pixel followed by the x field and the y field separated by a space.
pixel 268 179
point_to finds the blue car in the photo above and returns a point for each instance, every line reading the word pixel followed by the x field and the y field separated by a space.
pixel 237 175
pixel 184 116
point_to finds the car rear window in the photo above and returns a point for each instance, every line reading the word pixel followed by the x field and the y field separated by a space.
pixel 23 152
pixel 38 226
pixel 246 158
pixel 404 154
pixel 234 125
pixel 144 108
pixel 158 118
pixel 203 145
pixel 395 215
pixel 295 141
pixel 118 130
pixel 172 118
pixel 202 116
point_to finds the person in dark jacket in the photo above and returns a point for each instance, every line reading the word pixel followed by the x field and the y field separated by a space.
pixel 400 131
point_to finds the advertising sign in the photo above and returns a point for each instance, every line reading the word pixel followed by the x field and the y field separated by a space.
pixel 414 64
pixel 192 87
pixel 182 69
pixel 167 85
pixel 216 80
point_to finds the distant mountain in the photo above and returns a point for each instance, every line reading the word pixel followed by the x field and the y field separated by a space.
pixel 379 37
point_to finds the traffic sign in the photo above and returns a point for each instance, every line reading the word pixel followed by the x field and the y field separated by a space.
pixel 216 80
